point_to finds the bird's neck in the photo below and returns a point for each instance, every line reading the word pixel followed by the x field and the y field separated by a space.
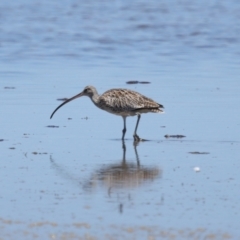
pixel 95 98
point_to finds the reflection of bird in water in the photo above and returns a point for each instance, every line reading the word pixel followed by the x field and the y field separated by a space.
pixel 113 177
pixel 124 174
pixel 122 102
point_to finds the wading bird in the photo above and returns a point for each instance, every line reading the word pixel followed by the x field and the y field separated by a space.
pixel 121 102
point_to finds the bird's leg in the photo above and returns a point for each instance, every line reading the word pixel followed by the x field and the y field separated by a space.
pixel 124 128
pixel 135 136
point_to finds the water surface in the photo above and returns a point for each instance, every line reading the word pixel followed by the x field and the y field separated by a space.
pixel 74 180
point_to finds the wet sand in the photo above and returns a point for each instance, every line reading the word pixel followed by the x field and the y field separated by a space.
pixel 70 177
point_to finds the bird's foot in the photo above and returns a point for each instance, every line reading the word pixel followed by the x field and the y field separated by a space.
pixel 137 138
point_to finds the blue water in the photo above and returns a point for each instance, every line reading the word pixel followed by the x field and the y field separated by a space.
pixel 71 181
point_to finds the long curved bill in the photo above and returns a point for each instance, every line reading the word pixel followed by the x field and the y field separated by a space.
pixel 68 100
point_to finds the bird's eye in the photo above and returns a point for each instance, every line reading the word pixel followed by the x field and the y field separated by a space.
pixel 86 90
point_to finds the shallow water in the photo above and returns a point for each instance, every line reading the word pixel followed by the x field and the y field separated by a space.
pixel 73 181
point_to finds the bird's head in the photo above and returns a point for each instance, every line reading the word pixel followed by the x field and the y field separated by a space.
pixel 87 91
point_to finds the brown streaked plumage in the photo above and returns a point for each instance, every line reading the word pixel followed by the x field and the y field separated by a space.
pixel 122 102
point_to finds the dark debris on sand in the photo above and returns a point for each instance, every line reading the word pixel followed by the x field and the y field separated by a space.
pixel 196 152
pixel 174 136
pixel 136 82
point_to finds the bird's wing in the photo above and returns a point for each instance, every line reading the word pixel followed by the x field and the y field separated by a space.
pixel 126 100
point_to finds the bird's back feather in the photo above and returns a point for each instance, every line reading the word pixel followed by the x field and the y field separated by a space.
pixel 124 101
